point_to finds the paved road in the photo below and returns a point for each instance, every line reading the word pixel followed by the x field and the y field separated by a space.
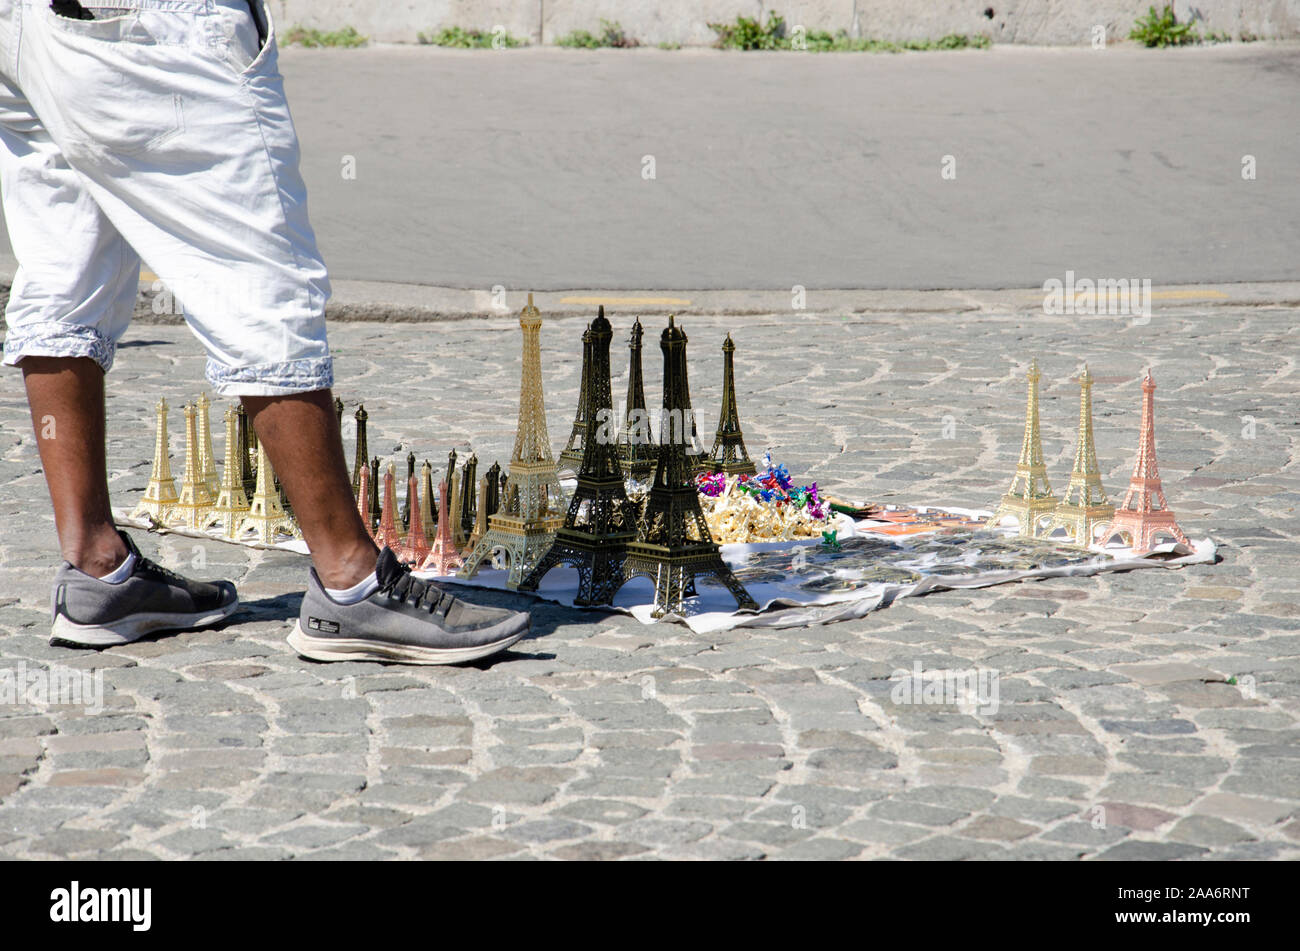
pixel 524 168
pixel 784 744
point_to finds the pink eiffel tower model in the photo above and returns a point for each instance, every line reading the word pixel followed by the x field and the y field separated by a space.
pixel 416 547
pixel 387 533
pixel 1144 513
pixel 363 496
pixel 443 558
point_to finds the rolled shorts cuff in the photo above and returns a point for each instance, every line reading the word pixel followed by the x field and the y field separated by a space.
pixel 55 339
pixel 272 379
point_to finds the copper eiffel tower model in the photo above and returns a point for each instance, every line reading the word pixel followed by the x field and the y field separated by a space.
pixel 415 548
pixel 729 454
pixel 571 457
pixel 232 502
pixel 266 518
pixel 195 502
pixel 160 493
pixel 1144 514
pixel 531 511
pixel 388 533
pixel 673 544
pixel 207 459
pixel 1030 496
pixel 596 529
pixel 363 450
pixel 443 559
pixel 1084 506
pixel 636 451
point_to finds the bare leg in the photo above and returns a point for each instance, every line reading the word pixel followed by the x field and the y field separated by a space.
pixel 301 435
pixel 66 396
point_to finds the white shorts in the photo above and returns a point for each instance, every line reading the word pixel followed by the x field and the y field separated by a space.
pixel 158 131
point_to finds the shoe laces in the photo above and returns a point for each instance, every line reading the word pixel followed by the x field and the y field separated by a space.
pixel 409 589
pixel 146 566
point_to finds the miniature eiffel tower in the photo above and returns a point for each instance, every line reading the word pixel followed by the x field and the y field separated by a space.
pixel 443 559
pixel 467 499
pixel 196 501
pixel 416 547
pixel 490 501
pixel 338 415
pixel 636 451
pixel 1144 514
pixel 450 477
pixel 363 498
pixel 480 514
pixel 207 458
pixel 266 519
pixel 232 504
pixel 160 493
pixel 729 454
pixel 428 508
pixel 529 516
pixel 388 533
pixel 596 530
pixel 406 505
pixel 247 451
pixel 1084 505
pixel 374 494
pixel 453 506
pixel 363 450
pixel 673 544
pixel 571 458
pixel 1030 496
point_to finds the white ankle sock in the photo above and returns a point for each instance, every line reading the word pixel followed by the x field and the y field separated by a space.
pixel 357 593
pixel 122 571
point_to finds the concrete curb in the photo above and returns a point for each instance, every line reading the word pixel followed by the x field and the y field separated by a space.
pixel 377 302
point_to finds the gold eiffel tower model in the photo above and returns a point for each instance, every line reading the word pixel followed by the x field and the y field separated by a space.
pixel 266 517
pixel 480 514
pixel 207 458
pixel 232 503
pixel 533 508
pixel 160 494
pixel 1084 506
pixel 1030 496
pixel 191 510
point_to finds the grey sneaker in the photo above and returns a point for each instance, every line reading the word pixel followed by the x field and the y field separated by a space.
pixel 93 613
pixel 407 620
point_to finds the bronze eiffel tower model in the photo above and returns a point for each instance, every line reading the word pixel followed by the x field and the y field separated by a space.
pixel 571 456
pixel 596 529
pixel 729 454
pixel 363 450
pixel 636 451
pixel 673 544
pixel 525 524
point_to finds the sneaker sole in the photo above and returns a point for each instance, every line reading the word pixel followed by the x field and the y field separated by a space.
pixel 133 627
pixel 355 648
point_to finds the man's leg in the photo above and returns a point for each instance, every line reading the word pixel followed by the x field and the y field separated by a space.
pixel 66 396
pixel 301 436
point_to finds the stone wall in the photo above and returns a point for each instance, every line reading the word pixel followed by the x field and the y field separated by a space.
pixel 1039 22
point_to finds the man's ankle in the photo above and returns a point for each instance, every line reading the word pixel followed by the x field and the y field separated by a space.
pixel 97 555
pixel 346 571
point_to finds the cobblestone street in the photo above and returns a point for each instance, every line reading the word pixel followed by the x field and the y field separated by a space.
pixel 1151 714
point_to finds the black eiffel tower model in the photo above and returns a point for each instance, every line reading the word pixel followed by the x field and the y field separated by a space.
pixel 468 487
pixel 571 456
pixel 729 455
pixel 596 527
pixel 636 451
pixel 673 544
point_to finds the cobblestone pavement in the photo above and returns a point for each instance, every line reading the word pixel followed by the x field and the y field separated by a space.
pixel 1120 733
